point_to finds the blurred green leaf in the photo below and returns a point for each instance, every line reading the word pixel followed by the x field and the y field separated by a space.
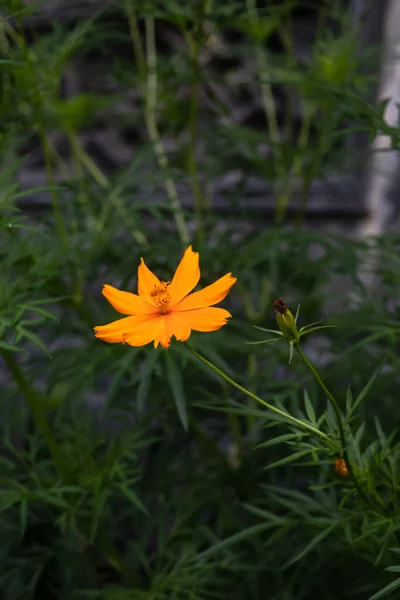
pixel 174 378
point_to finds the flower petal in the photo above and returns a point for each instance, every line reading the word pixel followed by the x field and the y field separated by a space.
pixel 212 294
pixel 135 331
pixel 127 303
pixel 206 319
pixel 173 325
pixel 186 276
pixel 145 332
pixel 147 281
pixel 115 331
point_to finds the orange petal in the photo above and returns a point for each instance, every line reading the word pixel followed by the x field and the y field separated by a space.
pixel 186 276
pixel 206 319
pixel 135 331
pixel 115 331
pixel 147 281
pixel 127 303
pixel 212 294
pixel 173 325
pixel 145 332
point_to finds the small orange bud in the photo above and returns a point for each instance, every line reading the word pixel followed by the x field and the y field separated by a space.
pixel 341 467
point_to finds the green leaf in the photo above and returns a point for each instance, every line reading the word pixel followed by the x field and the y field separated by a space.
pixel 32 337
pixel 10 347
pixel 314 542
pixel 234 539
pixel 310 325
pixel 366 389
pixel 309 409
pixel 265 514
pixel 386 590
pixel 269 330
pixel 307 331
pixel 277 440
pixel 39 310
pixel 349 400
pixel 23 516
pixel 133 499
pixel 145 380
pixel 290 458
pixel 97 512
pixel 270 341
pixel 174 378
pixel 9 498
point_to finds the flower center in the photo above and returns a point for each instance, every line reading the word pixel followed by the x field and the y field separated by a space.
pixel 161 297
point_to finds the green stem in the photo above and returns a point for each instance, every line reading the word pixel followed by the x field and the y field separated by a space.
pixel 151 122
pixel 31 59
pixel 33 402
pixel 88 163
pixel 294 175
pixel 192 126
pixel 137 43
pixel 245 391
pixel 268 101
pixel 58 217
pixel 339 421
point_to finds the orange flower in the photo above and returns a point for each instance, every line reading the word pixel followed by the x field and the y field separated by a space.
pixel 163 309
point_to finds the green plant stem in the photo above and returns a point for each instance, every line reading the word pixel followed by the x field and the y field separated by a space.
pixel 136 41
pixel 147 67
pixel 58 217
pixel 191 160
pixel 83 157
pixel 151 122
pixel 40 124
pixel 271 408
pixel 294 175
pixel 33 402
pixel 339 421
pixel 86 160
pixel 269 103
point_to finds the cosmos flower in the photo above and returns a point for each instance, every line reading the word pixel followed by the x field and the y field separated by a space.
pixel 165 309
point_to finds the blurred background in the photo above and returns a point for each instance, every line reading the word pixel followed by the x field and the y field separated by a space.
pixel 267 135
pixel 232 121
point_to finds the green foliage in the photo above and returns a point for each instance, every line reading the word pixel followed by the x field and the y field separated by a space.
pixel 140 474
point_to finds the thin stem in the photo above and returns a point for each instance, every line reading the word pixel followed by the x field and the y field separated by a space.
pixel 137 43
pixel 58 217
pixel 41 129
pixel 86 160
pixel 33 402
pixel 83 157
pixel 294 175
pixel 192 126
pixel 151 122
pixel 268 98
pixel 339 421
pixel 247 392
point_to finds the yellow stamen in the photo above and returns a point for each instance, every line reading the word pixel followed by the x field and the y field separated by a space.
pixel 161 297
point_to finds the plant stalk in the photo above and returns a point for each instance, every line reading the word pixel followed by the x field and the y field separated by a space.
pixel 33 402
pixel 339 422
pixel 247 392
pixel 151 122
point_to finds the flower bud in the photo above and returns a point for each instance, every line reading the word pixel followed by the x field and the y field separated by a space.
pixel 286 322
pixel 341 467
